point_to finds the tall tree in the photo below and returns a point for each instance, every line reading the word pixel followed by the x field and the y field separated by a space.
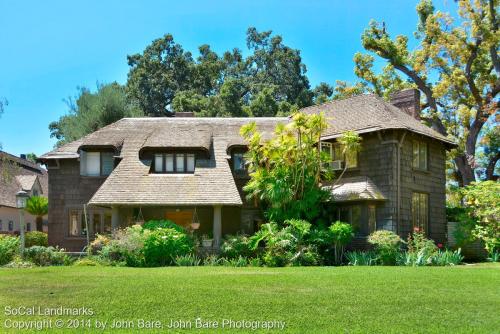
pixel 89 112
pixel 270 81
pixel 455 66
pixel 38 206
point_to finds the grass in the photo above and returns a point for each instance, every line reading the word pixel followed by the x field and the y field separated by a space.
pixel 462 299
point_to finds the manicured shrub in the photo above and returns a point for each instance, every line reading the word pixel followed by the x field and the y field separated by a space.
pixel 235 246
pixel 387 245
pixel 189 260
pixel 46 256
pixel 9 247
pixel 360 258
pixel 341 234
pixel 156 224
pixel 36 238
pixel 163 245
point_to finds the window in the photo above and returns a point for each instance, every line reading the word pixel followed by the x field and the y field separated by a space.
pixel 28 227
pixel 101 222
pixel 96 163
pixel 77 226
pixel 239 163
pixel 174 163
pixel 35 192
pixel 420 210
pixel 11 226
pixel 1 225
pixel 334 150
pixel 350 214
pixel 419 155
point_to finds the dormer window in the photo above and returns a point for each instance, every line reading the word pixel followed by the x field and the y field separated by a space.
pixel 174 163
pixel 96 163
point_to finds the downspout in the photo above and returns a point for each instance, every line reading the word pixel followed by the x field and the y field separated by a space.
pixel 398 180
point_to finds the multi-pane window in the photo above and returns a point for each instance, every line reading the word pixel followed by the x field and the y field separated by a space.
pixel 174 163
pixel 419 155
pixel 96 163
pixel 335 151
pixel 77 226
pixel 350 214
pixel 101 223
pixel 239 163
pixel 420 210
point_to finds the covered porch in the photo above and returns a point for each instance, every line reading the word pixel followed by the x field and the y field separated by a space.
pixel 212 221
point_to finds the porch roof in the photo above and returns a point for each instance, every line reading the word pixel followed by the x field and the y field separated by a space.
pixel 360 188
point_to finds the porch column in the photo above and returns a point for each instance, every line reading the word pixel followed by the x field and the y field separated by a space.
pixel 115 219
pixel 217 225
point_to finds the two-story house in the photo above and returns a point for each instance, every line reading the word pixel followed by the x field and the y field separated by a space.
pixel 192 171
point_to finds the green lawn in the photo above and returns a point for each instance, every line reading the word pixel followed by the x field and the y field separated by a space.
pixel 463 299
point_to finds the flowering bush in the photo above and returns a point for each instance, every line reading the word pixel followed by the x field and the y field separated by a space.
pixel 46 256
pixel 125 247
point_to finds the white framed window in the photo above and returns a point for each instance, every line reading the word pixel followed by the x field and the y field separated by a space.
pixel 239 162
pixel 169 163
pixel 96 163
pixel 174 163
pixel 158 163
pixel 190 162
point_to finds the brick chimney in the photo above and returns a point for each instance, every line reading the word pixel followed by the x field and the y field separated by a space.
pixel 407 100
pixel 184 114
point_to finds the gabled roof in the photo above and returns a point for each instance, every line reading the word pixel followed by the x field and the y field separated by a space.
pixel 360 188
pixel 369 113
pixel 19 174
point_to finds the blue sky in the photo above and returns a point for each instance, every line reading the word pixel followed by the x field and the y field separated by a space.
pixel 49 48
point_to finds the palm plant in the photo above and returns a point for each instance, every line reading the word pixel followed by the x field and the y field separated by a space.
pixel 38 206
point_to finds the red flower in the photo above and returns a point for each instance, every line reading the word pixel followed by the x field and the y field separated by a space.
pixel 440 245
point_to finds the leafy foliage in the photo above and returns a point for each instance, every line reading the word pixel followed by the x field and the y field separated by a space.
pixel 455 66
pixel 286 246
pixel 235 246
pixel 341 234
pixel 165 78
pixel 38 206
pixel 89 112
pixel 361 258
pixel 387 245
pixel 164 245
pixel 46 256
pixel 9 247
pixel 36 238
pixel 286 171
pixel 165 223
pixel 484 199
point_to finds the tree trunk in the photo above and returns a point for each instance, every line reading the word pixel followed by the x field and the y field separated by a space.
pixel 464 170
pixel 39 223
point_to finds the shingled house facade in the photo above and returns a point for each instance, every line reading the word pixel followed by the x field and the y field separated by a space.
pixel 192 170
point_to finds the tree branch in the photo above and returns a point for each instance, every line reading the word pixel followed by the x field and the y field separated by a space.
pixel 490 169
pixel 470 79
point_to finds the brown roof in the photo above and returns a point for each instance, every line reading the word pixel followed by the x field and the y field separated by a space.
pixel 19 174
pixel 131 182
pixel 368 113
pixel 360 188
